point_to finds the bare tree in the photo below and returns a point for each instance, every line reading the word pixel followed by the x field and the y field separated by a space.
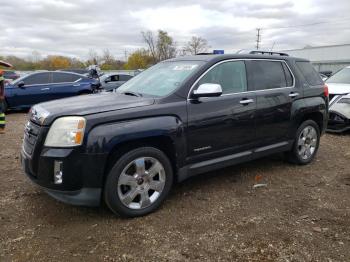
pixel 93 57
pixel 196 45
pixel 35 57
pixel 107 57
pixel 149 39
pixel 161 47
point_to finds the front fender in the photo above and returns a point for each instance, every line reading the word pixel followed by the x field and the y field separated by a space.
pixel 104 138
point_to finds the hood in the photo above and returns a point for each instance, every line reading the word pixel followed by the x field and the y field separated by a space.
pixel 338 89
pixel 87 104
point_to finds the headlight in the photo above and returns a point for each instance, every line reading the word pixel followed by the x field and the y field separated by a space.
pixel 66 132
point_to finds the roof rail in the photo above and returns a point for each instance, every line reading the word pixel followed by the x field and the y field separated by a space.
pixel 205 54
pixel 255 52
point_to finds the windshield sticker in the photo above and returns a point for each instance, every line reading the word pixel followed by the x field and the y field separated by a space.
pixel 184 67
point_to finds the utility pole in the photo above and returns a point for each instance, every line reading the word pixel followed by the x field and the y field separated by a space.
pixel 126 55
pixel 258 38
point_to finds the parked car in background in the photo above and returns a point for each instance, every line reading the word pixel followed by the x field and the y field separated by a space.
pixel 113 81
pixel 327 73
pixel 10 75
pixel 177 119
pixel 339 96
pixel 324 77
pixel 44 86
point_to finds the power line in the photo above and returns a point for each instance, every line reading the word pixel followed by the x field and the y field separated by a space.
pixel 337 21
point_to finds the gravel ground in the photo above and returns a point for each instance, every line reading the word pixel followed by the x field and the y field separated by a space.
pixel 302 215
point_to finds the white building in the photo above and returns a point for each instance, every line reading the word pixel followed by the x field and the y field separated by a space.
pixel 332 57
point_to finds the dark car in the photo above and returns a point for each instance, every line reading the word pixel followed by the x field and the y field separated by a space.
pixel 11 75
pixel 112 81
pixel 44 86
pixel 179 118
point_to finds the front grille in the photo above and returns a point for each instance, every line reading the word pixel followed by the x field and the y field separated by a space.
pixel 31 133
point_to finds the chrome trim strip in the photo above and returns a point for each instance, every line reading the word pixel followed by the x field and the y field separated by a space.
pixel 220 159
pixel 244 59
pixel 273 146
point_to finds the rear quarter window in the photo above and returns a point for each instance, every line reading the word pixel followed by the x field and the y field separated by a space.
pixel 267 74
pixel 311 76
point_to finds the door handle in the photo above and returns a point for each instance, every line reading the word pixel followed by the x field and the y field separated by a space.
pixel 43 89
pixel 76 85
pixel 292 94
pixel 246 101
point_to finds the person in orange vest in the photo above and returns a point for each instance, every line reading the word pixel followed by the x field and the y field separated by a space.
pixel 2 103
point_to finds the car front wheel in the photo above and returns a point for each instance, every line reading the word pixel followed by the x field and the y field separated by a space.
pixel 138 182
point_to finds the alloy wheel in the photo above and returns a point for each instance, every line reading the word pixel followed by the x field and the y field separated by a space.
pixel 141 182
pixel 307 142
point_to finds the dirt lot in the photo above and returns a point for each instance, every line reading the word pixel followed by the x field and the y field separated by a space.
pixel 302 215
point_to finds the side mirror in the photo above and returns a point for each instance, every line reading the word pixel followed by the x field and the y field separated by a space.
pixel 20 84
pixel 207 90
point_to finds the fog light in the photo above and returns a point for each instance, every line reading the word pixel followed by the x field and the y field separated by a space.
pixel 58 173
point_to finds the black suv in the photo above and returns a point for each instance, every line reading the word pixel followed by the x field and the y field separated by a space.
pixel 179 118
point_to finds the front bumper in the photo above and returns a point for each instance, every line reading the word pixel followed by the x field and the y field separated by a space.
pixel 82 175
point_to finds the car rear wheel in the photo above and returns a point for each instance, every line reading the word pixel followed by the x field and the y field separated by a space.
pixel 306 143
pixel 138 182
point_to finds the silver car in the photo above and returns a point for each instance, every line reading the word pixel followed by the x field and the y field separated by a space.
pixel 113 80
pixel 339 97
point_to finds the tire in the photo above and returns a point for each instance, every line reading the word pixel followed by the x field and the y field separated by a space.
pixel 138 182
pixel 306 143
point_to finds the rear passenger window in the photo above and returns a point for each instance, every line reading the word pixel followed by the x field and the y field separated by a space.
pixel 269 75
pixel 64 77
pixel 230 75
pixel 124 77
pixel 310 74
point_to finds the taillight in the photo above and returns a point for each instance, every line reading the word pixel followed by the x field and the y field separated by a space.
pixel 325 90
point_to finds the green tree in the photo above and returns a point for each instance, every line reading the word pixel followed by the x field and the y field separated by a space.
pixel 160 47
pixel 140 59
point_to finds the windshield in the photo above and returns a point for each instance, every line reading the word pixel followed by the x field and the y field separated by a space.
pixel 161 79
pixel 343 77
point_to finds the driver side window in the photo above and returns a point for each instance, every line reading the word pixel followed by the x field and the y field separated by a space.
pixel 230 75
pixel 37 79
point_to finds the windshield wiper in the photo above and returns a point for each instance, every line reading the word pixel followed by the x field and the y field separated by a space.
pixel 130 93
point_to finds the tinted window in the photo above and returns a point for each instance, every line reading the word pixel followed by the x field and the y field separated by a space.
pixel 311 76
pixel 35 79
pixel 267 75
pixel 64 77
pixel 114 78
pixel 124 77
pixel 230 75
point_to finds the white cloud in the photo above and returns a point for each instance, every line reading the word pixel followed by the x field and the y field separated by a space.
pixel 72 28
